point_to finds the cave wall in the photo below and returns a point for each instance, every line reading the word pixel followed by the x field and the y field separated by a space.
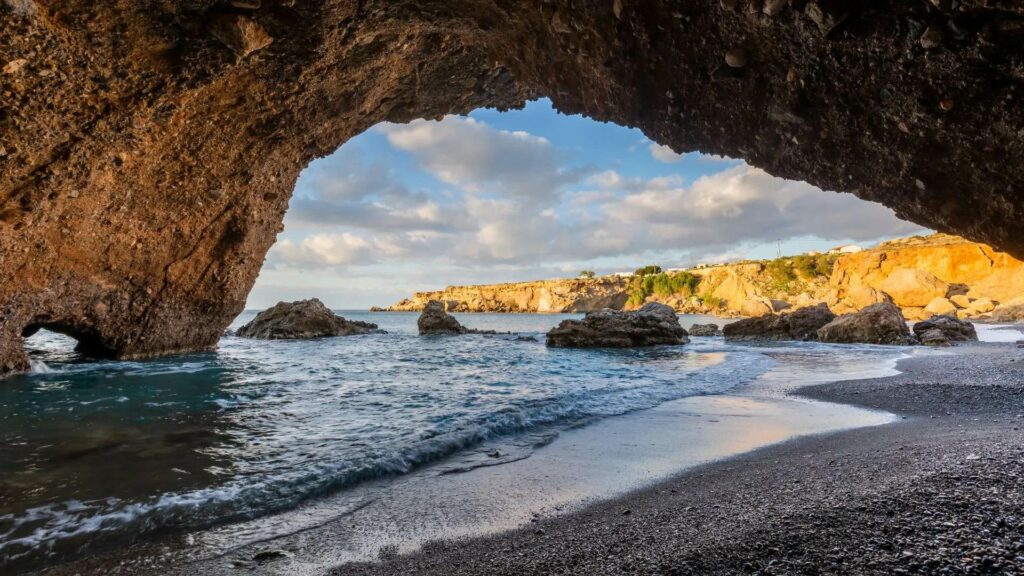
pixel 148 149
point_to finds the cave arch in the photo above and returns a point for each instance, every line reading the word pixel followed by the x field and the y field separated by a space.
pixel 88 342
pixel 148 151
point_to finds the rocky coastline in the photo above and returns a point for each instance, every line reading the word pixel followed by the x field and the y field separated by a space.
pixel 923 276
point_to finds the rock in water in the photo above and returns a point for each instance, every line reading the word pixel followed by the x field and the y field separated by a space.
pixel 881 323
pixel 800 324
pixel 651 325
pixel 434 320
pixel 705 330
pixel 302 319
pixel 942 329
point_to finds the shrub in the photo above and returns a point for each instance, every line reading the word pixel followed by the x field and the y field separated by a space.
pixel 814 266
pixel 646 270
pixel 713 302
pixel 662 284
pixel 587 274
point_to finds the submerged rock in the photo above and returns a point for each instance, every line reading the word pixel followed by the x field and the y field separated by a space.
pixel 942 329
pixel 800 324
pixel 302 319
pixel 705 330
pixel 651 325
pixel 881 323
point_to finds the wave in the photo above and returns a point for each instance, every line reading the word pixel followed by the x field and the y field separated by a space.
pixel 56 529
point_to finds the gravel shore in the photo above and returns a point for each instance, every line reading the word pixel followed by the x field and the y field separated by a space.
pixel 939 492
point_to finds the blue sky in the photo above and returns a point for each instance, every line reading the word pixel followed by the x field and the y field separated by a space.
pixel 527 194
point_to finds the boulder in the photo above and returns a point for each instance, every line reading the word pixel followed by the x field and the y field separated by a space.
pixel 434 320
pixel 859 297
pixel 981 306
pixel 756 306
pixel 705 330
pixel 941 329
pixel 940 306
pixel 960 300
pixel 804 300
pixel 881 323
pixel 651 325
pixel 910 287
pixel 1012 311
pixel 800 324
pixel 916 314
pixel 302 319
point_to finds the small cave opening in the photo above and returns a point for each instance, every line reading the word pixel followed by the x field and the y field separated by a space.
pixel 62 342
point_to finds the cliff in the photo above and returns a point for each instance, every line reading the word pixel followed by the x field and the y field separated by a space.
pixel 569 295
pixel 922 275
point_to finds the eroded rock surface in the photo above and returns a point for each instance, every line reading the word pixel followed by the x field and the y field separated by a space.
pixel 705 330
pixel 651 325
pixel 941 330
pixel 148 149
pixel 302 319
pixel 435 320
pixel 800 324
pixel 877 324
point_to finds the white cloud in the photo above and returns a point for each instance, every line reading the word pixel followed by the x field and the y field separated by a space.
pixel 663 153
pixel 322 250
pixel 481 159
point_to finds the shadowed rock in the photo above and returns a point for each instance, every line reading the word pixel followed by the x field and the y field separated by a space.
pixel 302 319
pixel 434 320
pixel 881 323
pixel 705 330
pixel 800 324
pixel 942 329
pixel 148 150
pixel 651 325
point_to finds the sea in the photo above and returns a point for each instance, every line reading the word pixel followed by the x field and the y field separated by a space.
pixel 96 454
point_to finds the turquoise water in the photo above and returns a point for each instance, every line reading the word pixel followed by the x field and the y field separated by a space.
pixel 95 453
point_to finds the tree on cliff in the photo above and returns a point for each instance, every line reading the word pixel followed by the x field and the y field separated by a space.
pixel 587 274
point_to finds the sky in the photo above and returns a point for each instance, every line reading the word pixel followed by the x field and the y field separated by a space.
pixel 532 194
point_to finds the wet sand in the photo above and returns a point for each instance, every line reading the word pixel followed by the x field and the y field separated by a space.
pixel 920 492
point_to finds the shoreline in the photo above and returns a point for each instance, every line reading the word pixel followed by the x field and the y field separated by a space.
pixel 867 500
pixel 539 532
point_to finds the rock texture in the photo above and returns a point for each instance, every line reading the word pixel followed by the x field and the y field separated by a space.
pixel 651 325
pixel 940 330
pixel 302 319
pixel 148 149
pixel 705 330
pixel 800 324
pixel 877 324
pixel 435 320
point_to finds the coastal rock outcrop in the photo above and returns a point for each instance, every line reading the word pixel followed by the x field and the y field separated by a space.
pixel 800 324
pixel 705 330
pixel 651 325
pixel 544 296
pixel 942 329
pixel 149 154
pixel 436 321
pixel 301 319
pixel 881 323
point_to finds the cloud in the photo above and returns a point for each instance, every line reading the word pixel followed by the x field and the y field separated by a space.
pixel 664 154
pixel 483 160
pixel 743 204
pixel 322 250
pixel 347 190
